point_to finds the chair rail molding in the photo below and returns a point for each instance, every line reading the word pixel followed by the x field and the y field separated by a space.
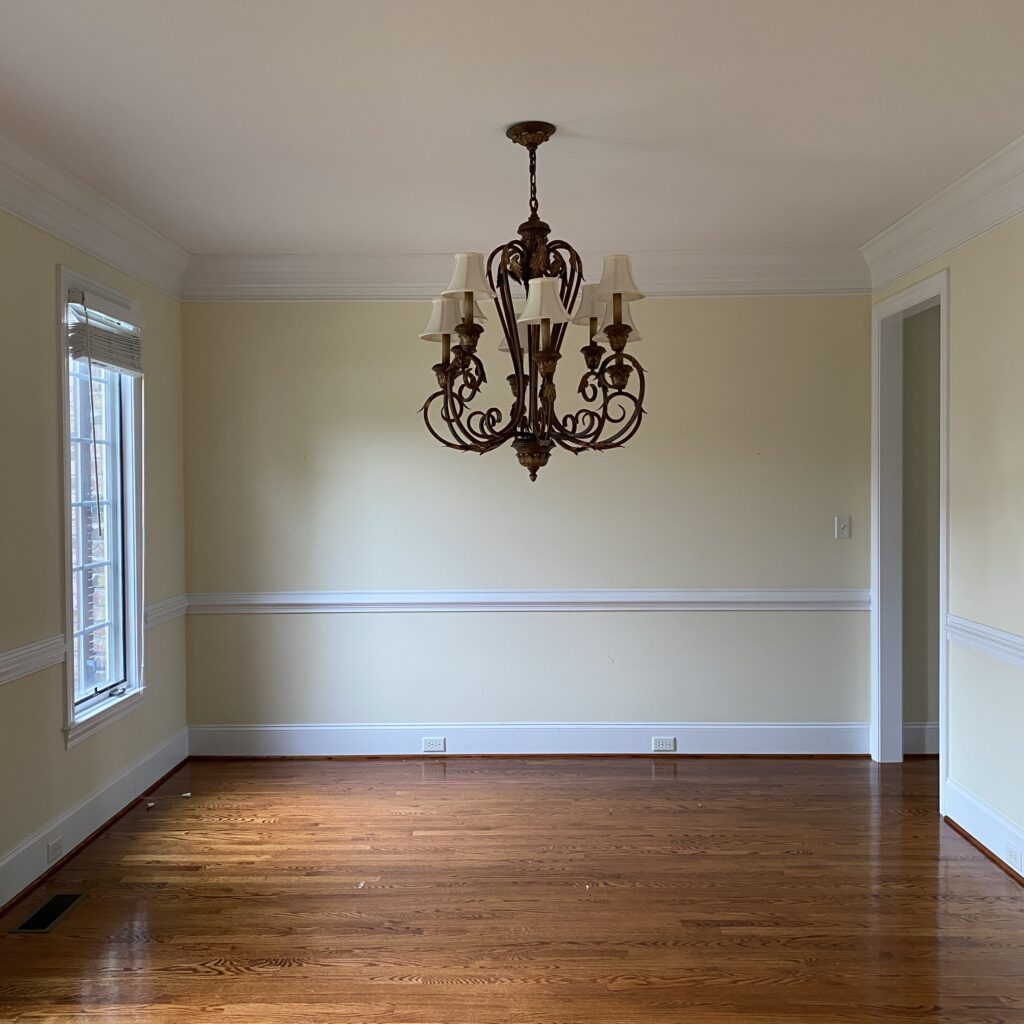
pixel 62 205
pixel 996 642
pixel 377 601
pixel 34 657
pixel 166 610
pixel 982 199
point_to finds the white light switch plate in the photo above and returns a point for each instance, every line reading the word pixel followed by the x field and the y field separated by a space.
pixel 842 527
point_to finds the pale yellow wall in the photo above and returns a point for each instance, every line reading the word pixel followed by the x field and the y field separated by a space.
pixel 308 468
pixel 986 729
pixel 593 667
pixel 986 504
pixel 40 778
pixel 921 391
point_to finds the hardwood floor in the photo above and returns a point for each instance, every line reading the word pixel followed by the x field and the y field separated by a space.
pixel 528 891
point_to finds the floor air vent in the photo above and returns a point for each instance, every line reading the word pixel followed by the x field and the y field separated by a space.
pixel 47 916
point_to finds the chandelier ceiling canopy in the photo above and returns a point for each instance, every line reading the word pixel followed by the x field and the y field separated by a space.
pixel 612 385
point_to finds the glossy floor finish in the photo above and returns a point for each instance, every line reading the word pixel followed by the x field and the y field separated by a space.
pixel 528 891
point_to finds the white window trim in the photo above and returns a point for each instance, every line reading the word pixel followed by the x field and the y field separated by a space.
pixel 101 715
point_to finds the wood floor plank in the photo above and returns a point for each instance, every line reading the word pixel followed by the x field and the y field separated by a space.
pixel 528 891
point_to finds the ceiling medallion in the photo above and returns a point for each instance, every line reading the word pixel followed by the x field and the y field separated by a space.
pixel 612 386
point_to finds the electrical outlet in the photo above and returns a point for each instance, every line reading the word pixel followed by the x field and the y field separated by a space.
pixel 433 744
pixel 55 849
pixel 842 527
pixel 1013 857
pixel 663 744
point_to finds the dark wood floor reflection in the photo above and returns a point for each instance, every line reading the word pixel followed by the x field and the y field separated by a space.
pixel 518 891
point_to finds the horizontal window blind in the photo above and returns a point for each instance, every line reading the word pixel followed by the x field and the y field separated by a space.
pixel 99 331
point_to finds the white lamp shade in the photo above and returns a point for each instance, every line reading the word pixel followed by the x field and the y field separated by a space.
pixel 524 338
pixel 444 315
pixel 617 279
pixel 587 306
pixel 627 318
pixel 469 276
pixel 544 303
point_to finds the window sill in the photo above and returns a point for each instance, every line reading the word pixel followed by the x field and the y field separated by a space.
pixel 101 716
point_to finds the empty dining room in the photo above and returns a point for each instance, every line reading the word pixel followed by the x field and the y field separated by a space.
pixel 511 513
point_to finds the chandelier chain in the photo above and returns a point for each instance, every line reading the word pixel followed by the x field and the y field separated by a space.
pixel 533 180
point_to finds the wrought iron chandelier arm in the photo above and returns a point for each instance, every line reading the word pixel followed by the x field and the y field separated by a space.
pixel 477 428
pixel 565 263
pixel 458 443
pixel 619 408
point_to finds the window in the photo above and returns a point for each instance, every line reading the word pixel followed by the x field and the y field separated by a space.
pixel 101 356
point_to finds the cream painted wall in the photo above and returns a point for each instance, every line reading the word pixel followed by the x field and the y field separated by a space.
pixel 308 468
pixel 592 667
pixel 986 730
pixel 41 778
pixel 921 394
pixel 986 505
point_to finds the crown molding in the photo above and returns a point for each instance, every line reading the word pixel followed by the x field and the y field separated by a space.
pixel 388 277
pixel 62 205
pixel 983 198
pixel 308 277
pixel 794 271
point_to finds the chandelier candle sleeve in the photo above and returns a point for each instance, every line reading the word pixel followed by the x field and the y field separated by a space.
pixel 612 386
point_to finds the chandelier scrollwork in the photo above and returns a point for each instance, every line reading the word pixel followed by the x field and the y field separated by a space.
pixel 612 385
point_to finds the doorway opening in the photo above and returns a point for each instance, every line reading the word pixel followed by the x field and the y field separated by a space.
pixel 910 359
pixel 921 389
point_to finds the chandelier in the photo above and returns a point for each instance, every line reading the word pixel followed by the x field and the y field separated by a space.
pixel 612 385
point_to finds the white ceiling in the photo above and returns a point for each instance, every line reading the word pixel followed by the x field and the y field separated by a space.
pixel 377 126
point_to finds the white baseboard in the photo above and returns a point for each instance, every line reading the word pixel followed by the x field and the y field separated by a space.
pixel 920 737
pixel 529 738
pixel 984 823
pixel 22 865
